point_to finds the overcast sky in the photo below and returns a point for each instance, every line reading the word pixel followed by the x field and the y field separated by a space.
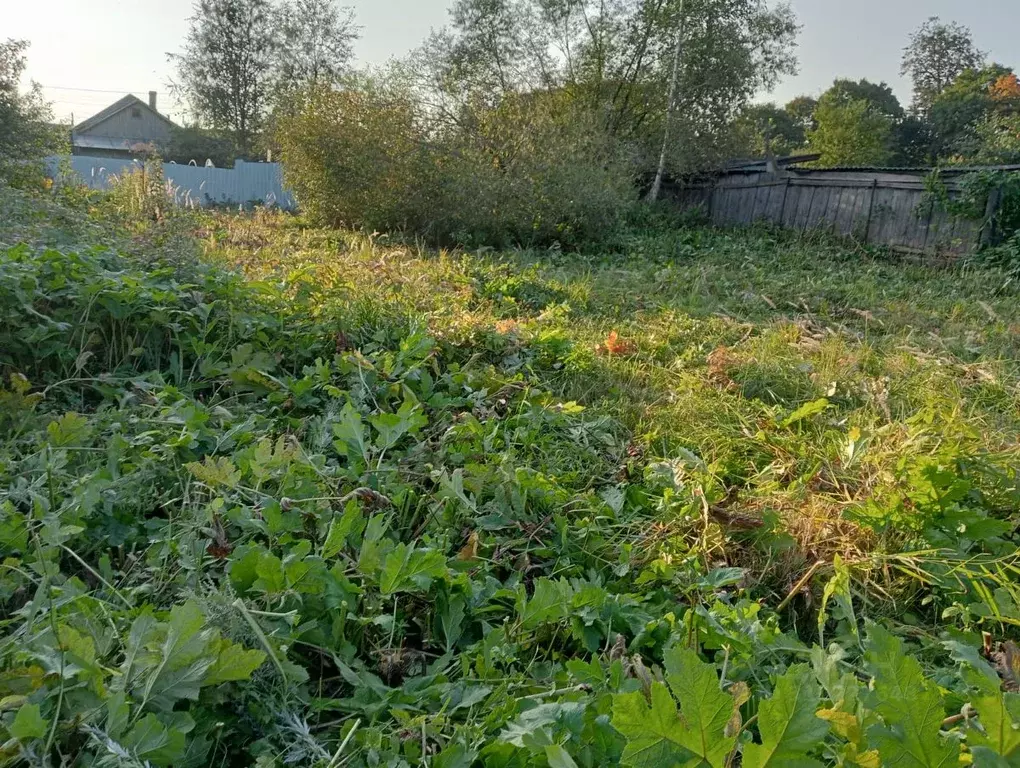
pixel 87 53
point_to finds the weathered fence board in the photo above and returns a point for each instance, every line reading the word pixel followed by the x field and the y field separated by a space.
pixel 879 209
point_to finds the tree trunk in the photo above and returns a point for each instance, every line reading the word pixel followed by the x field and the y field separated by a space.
pixel 653 193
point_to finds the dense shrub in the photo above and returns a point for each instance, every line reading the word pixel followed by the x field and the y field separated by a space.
pixel 26 135
pixel 527 171
pixel 351 156
pixel 192 143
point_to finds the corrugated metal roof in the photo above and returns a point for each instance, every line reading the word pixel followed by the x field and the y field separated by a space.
pixel 758 163
pixel 119 106
pixel 950 170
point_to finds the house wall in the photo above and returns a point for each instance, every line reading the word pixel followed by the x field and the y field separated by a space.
pixel 146 127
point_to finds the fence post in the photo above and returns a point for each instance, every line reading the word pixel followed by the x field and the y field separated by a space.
pixel 987 234
pixel 871 207
pixel 782 210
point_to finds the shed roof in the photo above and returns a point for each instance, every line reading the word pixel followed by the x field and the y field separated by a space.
pixel 951 170
pixel 130 100
pixel 759 164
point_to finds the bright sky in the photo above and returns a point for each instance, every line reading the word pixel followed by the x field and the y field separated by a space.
pixel 87 53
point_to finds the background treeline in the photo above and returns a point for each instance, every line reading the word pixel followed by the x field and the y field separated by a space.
pixel 541 121
pixel 965 109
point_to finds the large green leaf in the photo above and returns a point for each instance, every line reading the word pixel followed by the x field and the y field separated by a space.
pixel 550 602
pixel 910 707
pixel 232 662
pixel 532 725
pixel 406 569
pixel 28 723
pixel 705 708
pixel 998 742
pixel 340 528
pixel 558 757
pixel 789 728
pixel 349 431
pixel 170 657
pixel 169 661
pixel 153 742
pixel 392 426
pixel 655 735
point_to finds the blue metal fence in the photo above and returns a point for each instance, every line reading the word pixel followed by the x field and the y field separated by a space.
pixel 192 184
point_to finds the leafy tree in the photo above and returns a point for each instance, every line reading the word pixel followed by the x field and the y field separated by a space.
pixel 802 110
pixel 938 52
pixel 227 68
pixel 998 140
pixel 851 133
pixel 317 44
pixel 879 95
pixel 766 126
pixel 616 60
pixel 912 139
pixel 26 135
pixel 963 105
pixel 1006 90
pixel 909 137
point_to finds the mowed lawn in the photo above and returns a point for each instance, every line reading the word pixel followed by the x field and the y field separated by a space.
pixel 807 383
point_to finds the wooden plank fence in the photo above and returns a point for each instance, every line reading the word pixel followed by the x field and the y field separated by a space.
pixel 886 209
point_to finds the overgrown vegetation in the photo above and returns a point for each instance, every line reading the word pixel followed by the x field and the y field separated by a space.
pixel 281 495
pixel 530 171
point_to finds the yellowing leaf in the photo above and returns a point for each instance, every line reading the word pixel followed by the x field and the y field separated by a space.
pixel 614 345
pixel 215 472
pixel 844 724
pixel 741 694
pixel 470 550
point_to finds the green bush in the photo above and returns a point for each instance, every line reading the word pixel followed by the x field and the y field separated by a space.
pixel 528 171
pixel 26 135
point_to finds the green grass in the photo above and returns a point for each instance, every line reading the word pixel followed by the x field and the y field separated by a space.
pixel 279 495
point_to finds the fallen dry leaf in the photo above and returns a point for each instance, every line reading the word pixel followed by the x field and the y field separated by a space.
pixel 614 345
pixel 470 550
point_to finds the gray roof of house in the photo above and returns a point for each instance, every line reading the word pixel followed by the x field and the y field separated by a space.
pixel 118 106
pixel 102 142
